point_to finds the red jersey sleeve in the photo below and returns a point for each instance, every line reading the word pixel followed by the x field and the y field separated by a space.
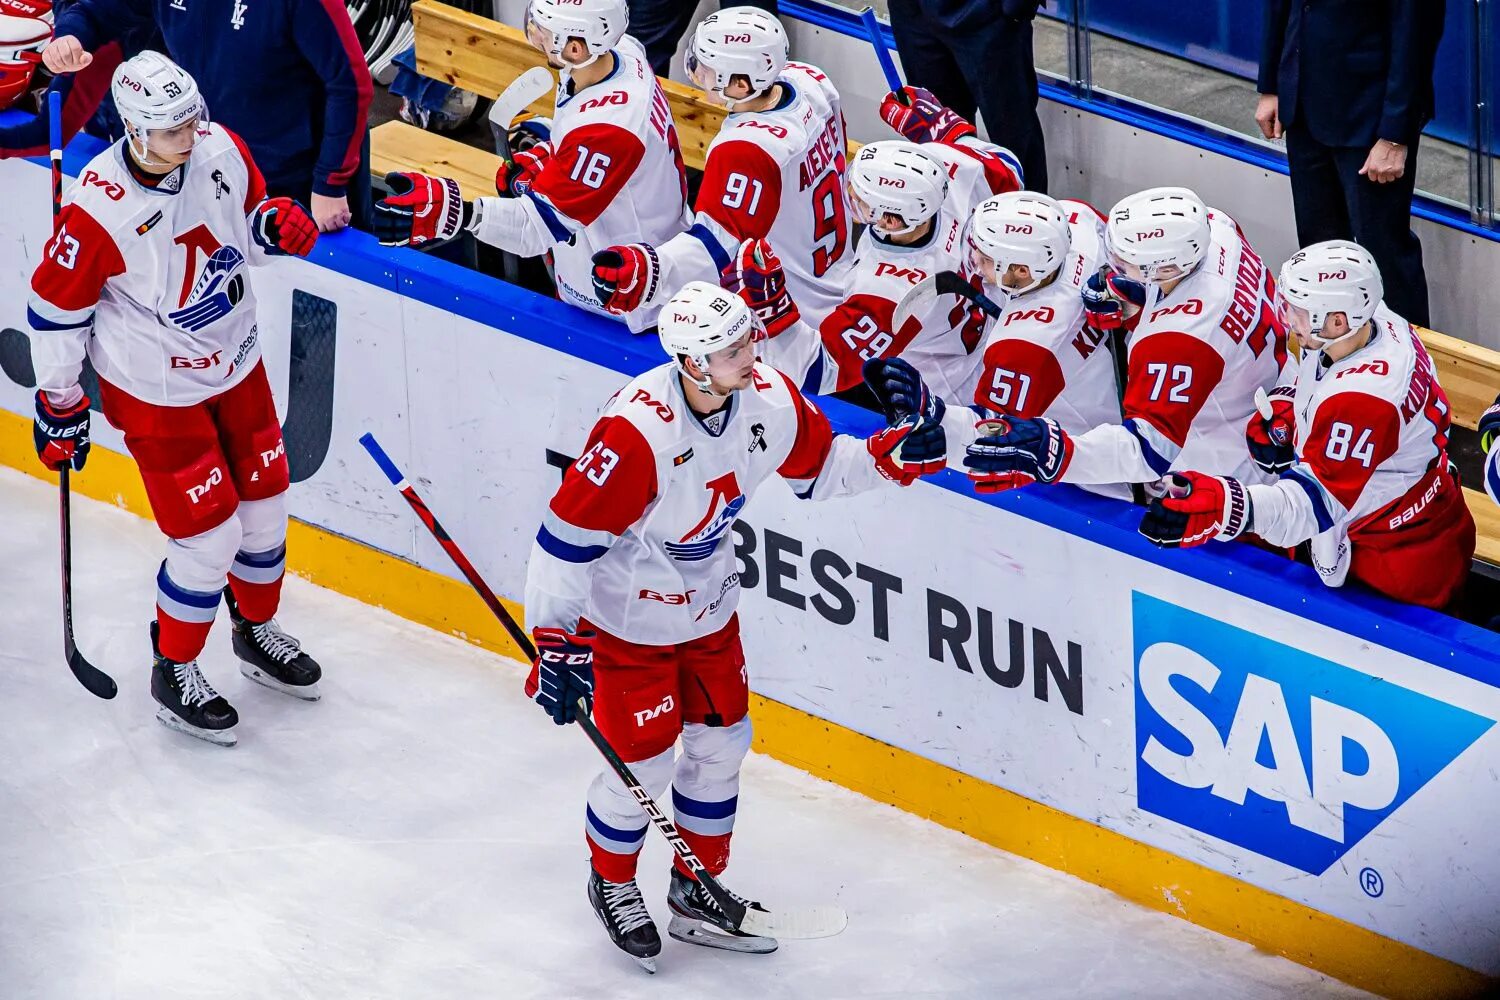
pixel 255 190
pixel 1352 435
pixel 76 262
pixel 1020 378
pixel 589 170
pixel 1002 172
pixel 859 329
pixel 813 442
pixel 741 189
pixel 611 484
pixel 1170 379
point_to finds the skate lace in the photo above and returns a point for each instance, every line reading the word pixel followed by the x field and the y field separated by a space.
pixel 196 690
pixel 275 643
pixel 707 900
pixel 625 902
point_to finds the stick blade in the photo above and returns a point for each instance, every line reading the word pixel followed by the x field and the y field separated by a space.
pixel 803 923
pixel 95 681
pixel 921 294
pixel 524 90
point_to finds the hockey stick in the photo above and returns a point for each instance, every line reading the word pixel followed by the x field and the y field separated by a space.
pixel 810 922
pixel 942 283
pixel 877 40
pixel 523 91
pixel 94 680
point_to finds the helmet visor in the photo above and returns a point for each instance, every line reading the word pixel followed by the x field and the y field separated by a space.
pixel 699 74
pixel 1294 317
pixel 732 364
pixel 540 38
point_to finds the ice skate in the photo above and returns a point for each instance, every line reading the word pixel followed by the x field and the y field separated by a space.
pixel 697 919
pixel 623 913
pixel 189 704
pixel 271 657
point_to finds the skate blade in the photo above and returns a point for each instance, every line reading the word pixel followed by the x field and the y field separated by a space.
pixel 649 964
pixel 218 737
pixel 799 924
pixel 689 930
pixel 307 692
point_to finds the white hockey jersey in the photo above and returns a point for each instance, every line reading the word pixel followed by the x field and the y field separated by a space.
pixel 942 340
pixel 638 538
pixel 1196 357
pixel 615 176
pixel 152 283
pixel 777 175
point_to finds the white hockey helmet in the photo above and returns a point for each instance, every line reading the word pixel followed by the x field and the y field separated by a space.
pixel 599 24
pixel 1336 276
pixel 154 94
pixel 1157 234
pixel 1019 227
pixel 736 41
pixel 894 176
pixel 701 319
pixel 25 30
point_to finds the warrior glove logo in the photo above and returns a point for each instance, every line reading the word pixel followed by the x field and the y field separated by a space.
pixel 215 294
pixel 1280 752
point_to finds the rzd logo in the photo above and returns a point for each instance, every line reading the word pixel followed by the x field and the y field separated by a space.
pixel 1283 753
pixel 646 715
pixel 215 477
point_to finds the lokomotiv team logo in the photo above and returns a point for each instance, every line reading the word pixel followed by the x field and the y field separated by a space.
pixel 701 541
pixel 219 288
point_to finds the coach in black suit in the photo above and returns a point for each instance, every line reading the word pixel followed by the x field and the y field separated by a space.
pixel 1349 83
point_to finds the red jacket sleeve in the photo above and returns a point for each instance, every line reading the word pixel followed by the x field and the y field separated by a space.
pixel 1352 435
pixel 741 189
pixel 1171 376
pixel 588 172
pixel 1020 379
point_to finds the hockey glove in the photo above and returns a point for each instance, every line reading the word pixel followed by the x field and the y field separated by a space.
pixel 1017 452
pixel 516 175
pixel 283 227
pixel 917 114
pixel 563 673
pixel 1272 430
pixel 61 434
pixel 914 444
pixel 758 277
pixel 1489 425
pixel 625 277
pixel 1196 509
pixel 420 210
pixel 1105 296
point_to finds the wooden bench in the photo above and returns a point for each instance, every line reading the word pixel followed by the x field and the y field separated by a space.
pixel 398 146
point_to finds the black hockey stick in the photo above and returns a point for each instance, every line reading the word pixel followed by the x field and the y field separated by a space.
pixel 96 681
pixel 811 922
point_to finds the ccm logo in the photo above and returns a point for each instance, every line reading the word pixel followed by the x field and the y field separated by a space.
pixel 911 274
pixel 196 493
pixel 1151 234
pixel 614 97
pixel 1333 275
pixel 1042 315
pixel 197 363
pixel 112 191
pixel 890 182
pixel 643 717
pixel 1192 307
pixel 674 600
pixel 1024 228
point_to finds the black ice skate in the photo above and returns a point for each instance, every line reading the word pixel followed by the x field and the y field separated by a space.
pixel 623 913
pixel 271 657
pixel 697 919
pixel 188 703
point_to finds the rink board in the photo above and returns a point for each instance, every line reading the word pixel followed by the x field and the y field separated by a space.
pixel 1211 733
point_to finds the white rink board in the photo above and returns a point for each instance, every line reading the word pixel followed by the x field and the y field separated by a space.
pixel 849 602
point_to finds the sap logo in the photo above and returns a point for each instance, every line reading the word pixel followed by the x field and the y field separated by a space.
pixel 674 600
pixel 1024 228
pixel 1043 315
pixel 615 97
pixel 215 477
pixel 1280 752
pixel 267 457
pixel 198 364
pixel 890 182
pixel 912 274
pixel 1151 234
pixel 1192 307
pixel 661 409
pixel 1376 367
pixel 1333 276
pixel 645 716
pixel 112 191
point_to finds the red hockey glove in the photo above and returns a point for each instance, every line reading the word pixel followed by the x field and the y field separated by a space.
pixel 1196 509
pixel 920 117
pixel 562 673
pixel 517 174
pixel 61 434
pixel 758 277
pixel 1272 430
pixel 419 210
pixel 625 277
pixel 281 226
pixel 1105 295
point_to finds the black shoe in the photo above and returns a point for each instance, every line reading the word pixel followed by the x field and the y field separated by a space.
pixel 189 704
pixel 697 919
pixel 271 657
pixel 623 913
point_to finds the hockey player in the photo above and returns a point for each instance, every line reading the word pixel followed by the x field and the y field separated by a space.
pixel 1489 430
pixel 775 171
pixel 632 586
pixel 1198 303
pixel 613 171
pixel 1361 446
pixel 147 275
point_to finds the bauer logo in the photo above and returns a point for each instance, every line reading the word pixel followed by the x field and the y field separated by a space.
pixel 1265 746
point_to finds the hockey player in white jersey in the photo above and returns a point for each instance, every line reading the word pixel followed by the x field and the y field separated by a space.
pixel 147 276
pixel 632 586
pixel 1203 336
pixel 1361 446
pixel 775 171
pixel 612 171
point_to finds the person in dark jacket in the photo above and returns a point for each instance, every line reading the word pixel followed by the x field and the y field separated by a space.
pixel 660 24
pixel 1349 85
pixel 976 54
pixel 287 75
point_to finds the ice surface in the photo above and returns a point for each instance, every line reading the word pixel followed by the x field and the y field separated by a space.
pixel 417 835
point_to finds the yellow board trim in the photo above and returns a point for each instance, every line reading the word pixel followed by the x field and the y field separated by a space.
pixel 1139 872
